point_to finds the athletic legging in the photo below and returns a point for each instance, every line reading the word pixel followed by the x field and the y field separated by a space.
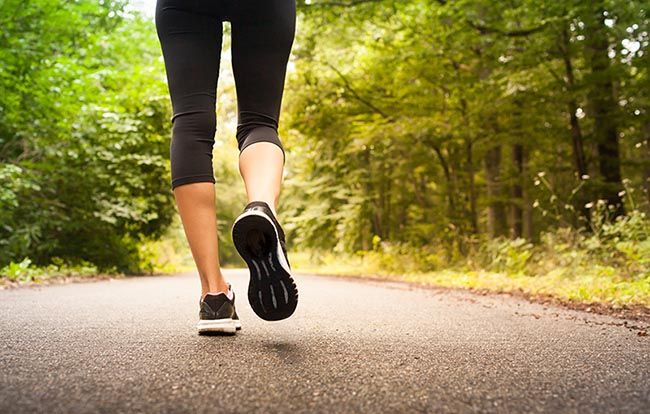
pixel 190 34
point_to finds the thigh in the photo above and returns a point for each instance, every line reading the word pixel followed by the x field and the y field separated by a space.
pixel 262 36
pixel 191 47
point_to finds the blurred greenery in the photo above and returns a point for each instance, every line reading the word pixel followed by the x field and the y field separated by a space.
pixel 460 138
pixel 609 266
pixel 83 141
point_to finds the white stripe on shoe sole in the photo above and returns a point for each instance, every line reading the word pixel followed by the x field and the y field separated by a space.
pixel 271 262
pixel 259 274
pixel 286 294
pixel 275 302
pixel 265 269
pixel 259 295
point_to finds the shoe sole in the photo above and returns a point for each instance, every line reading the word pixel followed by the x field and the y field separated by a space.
pixel 225 326
pixel 272 293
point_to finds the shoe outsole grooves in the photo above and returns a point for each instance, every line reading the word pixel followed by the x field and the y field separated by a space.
pixel 272 293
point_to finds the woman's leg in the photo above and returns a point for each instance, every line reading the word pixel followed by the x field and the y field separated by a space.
pixel 196 205
pixel 261 165
pixel 191 46
pixel 262 37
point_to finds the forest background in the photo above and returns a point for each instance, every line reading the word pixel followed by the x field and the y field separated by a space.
pixel 476 144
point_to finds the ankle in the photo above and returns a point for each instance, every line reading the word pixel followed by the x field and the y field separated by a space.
pixel 228 292
pixel 270 204
pixel 215 289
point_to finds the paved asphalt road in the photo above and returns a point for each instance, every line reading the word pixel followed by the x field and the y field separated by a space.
pixel 130 345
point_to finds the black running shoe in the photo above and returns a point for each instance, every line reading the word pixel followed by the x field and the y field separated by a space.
pixel 260 241
pixel 234 316
pixel 218 315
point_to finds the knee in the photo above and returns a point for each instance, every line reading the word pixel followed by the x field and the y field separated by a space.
pixel 259 134
pixel 191 147
pixel 194 127
pixel 256 126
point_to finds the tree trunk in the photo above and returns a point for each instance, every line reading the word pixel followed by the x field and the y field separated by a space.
pixel 576 132
pixel 527 227
pixel 646 170
pixel 604 110
pixel 366 239
pixel 388 220
pixel 517 193
pixel 451 188
pixel 472 187
pixel 496 222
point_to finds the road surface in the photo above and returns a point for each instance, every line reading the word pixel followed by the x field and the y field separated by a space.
pixel 130 345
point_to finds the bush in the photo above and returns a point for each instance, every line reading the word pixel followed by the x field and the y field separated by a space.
pixel 506 255
pixel 84 135
pixel 25 271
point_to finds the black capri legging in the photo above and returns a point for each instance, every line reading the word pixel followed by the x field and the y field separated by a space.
pixel 190 34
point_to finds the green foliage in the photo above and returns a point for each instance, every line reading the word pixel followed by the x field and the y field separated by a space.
pixel 477 136
pixel 20 272
pixel 506 255
pixel 405 119
pixel 421 135
pixel 565 250
pixel 25 271
pixel 608 267
pixel 83 134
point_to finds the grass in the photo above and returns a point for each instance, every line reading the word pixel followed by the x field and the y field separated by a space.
pixel 25 272
pixel 585 284
pixel 607 265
